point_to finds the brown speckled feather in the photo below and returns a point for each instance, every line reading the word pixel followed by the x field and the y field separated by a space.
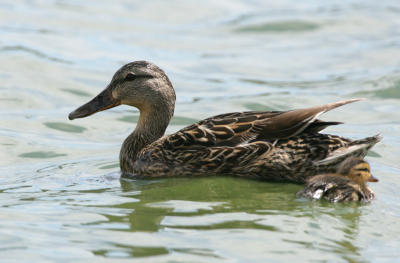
pixel 290 159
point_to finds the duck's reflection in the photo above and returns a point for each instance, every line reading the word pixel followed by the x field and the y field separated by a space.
pixel 286 222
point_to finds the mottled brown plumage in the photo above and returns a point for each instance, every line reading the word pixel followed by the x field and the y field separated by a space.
pixel 274 145
pixel 348 184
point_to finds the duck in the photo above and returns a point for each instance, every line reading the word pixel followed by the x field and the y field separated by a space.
pixel 267 145
pixel 348 184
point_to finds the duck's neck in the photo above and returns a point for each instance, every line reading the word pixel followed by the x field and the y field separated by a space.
pixel 153 122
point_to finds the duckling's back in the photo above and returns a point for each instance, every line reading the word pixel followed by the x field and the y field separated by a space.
pixel 334 188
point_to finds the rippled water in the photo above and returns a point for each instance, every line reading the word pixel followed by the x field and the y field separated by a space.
pixel 61 199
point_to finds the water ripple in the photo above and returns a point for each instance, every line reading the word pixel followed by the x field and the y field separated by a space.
pixel 37 53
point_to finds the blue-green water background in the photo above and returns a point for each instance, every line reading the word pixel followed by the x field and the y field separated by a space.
pixel 61 199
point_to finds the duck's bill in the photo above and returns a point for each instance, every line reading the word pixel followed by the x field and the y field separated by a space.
pixel 101 102
pixel 373 179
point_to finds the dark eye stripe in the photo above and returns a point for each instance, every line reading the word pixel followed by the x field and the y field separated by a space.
pixel 131 77
pixel 362 169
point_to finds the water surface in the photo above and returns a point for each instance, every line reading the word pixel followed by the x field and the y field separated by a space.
pixel 61 198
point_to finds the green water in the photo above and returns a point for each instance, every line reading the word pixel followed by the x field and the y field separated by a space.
pixel 61 196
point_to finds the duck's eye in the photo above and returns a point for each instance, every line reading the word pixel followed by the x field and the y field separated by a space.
pixel 130 77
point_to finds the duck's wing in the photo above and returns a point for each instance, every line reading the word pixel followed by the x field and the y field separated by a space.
pixel 357 148
pixel 241 127
pixel 291 123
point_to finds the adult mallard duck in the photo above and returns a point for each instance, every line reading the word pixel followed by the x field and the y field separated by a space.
pixel 272 145
pixel 348 184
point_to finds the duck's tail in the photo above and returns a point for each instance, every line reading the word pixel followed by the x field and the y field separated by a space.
pixel 357 148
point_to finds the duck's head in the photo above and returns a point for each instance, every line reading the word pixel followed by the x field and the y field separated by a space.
pixel 357 170
pixel 140 84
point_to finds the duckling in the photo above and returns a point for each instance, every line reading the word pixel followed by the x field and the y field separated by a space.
pixel 271 145
pixel 348 184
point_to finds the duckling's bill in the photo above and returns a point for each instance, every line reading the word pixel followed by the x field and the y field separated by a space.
pixel 103 101
pixel 373 179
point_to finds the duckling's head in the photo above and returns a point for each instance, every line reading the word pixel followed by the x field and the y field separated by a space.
pixel 140 84
pixel 357 170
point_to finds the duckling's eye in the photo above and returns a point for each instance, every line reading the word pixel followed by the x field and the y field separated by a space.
pixel 130 77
